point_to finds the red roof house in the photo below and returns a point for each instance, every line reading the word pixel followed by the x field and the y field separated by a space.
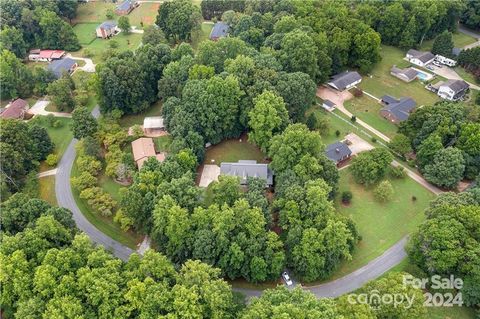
pixel 16 110
pixel 45 55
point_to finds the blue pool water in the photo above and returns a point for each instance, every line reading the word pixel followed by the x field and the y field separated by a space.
pixel 422 76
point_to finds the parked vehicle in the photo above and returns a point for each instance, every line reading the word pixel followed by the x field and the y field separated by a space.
pixel 430 67
pixel 287 279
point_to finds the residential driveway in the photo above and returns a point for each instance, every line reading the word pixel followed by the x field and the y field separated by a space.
pixel 450 74
pixel 135 30
pixel 47 173
pixel 358 144
pixel 89 65
pixel 39 109
pixel 209 174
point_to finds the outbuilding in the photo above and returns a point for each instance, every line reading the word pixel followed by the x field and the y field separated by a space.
pixel 328 105
pixel 153 124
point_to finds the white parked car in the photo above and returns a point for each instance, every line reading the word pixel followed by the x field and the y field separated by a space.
pixel 287 279
pixel 430 67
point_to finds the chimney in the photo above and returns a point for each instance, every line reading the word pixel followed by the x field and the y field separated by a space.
pixel 337 150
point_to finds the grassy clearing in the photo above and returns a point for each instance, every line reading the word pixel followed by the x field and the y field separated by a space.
pixel 146 13
pixel 86 32
pixel 137 119
pixel 110 186
pixel 105 224
pixel 202 34
pixel 381 82
pixel 162 143
pixel 459 41
pixel 368 110
pixel 98 46
pixel 60 136
pixel 465 75
pixel 233 150
pixel 93 11
pixel 46 186
pixel 380 224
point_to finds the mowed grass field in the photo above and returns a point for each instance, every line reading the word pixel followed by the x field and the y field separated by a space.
pixel 46 187
pixel 60 136
pixel 368 110
pixel 86 32
pixel 381 82
pixel 233 150
pixel 93 11
pixel 380 224
pixel 137 119
pixel 459 41
pixel 201 35
pixel 146 13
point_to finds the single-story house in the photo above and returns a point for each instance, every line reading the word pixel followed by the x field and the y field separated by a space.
pixel 396 110
pixel 126 7
pixel 247 168
pixel 453 90
pixel 406 75
pixel 420 58
pixel 345 80
pixel 338 152
pixel 45 55
pixel 328 105
pixel 444 60
pixel 107 29
pixel 153 124
pixel 144 148
pixel 15 110
pixel 64 65
pixel 220 30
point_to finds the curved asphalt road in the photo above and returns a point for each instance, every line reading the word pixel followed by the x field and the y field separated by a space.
pixel 348 283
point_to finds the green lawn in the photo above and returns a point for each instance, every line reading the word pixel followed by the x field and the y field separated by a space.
pixel 368 110
pixel 459 41
pixel 98 46
pixel 60 136
pixel 233 150
pixel 46 186
pixel 202 34
pixel 86 32
pixel 105 224
pixel 145 13
pixel 93 11
pixel 465 75
pixel 132 119
pixel 162 143
pixel 110 186
pixel 382 82
pixel 380 225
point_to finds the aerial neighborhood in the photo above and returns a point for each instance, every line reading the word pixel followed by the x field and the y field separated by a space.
pixel 246 159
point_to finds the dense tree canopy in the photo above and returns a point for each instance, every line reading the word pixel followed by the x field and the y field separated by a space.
pixel 370 167
pixel 177 19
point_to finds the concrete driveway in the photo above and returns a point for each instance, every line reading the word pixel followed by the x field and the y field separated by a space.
pixel 39 109
pixel 89 65
pixel 210 173
pixel 327 93
pixel 450 74
pixel 357 144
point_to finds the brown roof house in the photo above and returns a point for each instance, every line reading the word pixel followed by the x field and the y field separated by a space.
pixel 126 7
pixel 144 148
pixel 16 110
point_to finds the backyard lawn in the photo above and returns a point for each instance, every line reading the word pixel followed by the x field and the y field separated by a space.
pixel 86 32
pixel 110 186
pixel 202 34
pixel 60 136
pixel 459 41
pixel 132 119
pixel 368 110
pixel 162 143
pixel 233 150
pixel 146 13
pixel 380 225
pixel 93 11
pixel 105 224
pixel 46 186
pixel 382 82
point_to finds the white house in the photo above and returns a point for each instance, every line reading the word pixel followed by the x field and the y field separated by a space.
pixel 453 90
pixel 444 60
pixel 345 80
pixel 420 58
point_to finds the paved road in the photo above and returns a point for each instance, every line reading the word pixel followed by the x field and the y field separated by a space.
pixel 469 32
pixel 348 283
pixel 65 199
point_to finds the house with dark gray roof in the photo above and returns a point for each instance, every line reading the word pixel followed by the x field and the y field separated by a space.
pixel 453 90
pixel 345 80
pixel 107 29
pixel 406 75
pixel 397 110
pixel 126 7
pixel 247 168
pixel 456 51
pixel 338 152
pixel 328 105
pixel 220 30
pixel 63 65
pixel 420 58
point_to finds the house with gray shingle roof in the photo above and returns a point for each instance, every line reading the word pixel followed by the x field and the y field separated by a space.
pixel 107 29
pixel 125 7
pixel 247 168
pixel 63 65
pixel 220 30
pixel 345 80
pixel 338 152
pixel 397 110
pixel 406 75
pixel 420 58
pixel 453 90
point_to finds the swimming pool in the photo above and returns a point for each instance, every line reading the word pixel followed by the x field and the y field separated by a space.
pixel 423 76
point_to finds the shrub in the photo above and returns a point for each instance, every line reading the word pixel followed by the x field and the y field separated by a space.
pixel 374 140
pixel 414 198
pixel 87 53
pixel 110 14
pixel 337 133
pixel 137 131
pixel 384 191
pixel 57 124
pixel 347 197
pixel 50 120
pixel 398 172
pixel 113 44
pixel 125 222
pixel 83 181
pixel 98 200
pixel 52 160
pixel 357 92
pixel 353 119
pixel 89 164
